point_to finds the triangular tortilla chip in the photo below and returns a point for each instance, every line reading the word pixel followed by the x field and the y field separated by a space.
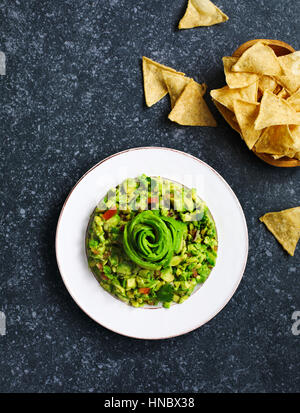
pixel 267 83
pixel 290 63
pixel 228 116
pixel 201 13
pixel 275 111
pixel 290 79
pixel 276 140
pixel 226 96
pixel 260 59
pixel 234 79
pixel 285 226
pixel 297 155
pixel 246 113
pixel 191 109
pixel 154 84
pixel 175 84
pixel 289 82
pixel 294 101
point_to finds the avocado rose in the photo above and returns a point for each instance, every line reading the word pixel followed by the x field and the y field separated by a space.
pixel 150 240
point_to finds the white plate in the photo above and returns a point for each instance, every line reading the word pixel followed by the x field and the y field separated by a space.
pixel 140 322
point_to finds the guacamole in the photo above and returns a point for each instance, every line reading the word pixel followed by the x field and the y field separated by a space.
pixel 150 241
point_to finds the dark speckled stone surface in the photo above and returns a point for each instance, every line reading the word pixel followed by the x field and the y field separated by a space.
pixel 73 95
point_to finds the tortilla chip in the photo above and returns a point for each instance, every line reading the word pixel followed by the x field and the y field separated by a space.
pixel 234 79
pixel 294 101
pixel 154 84
pixel 191 109
pixel 290 64
pixel 285 226
pixel 260 59
pixel 279 90
pixel 282 93
pixel 246 113
pixel 175 84
pixel 276 140
pixel 275 111
pixel 295 132
pixel 228 116
pixel 201 13
pixel 288 155
pixel 297 155
pixel 267 83
pixel 226 96
pixel 289 82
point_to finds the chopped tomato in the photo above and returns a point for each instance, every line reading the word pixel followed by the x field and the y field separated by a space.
pixel 104 276
pixel 195 273
pixel 109 213
pixel 144 290
pixel 153 200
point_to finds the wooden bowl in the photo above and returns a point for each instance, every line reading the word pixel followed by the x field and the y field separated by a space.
pixel 280 48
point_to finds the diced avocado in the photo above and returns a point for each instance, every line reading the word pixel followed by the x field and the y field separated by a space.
pixel 119 289
pixel 124 268
pixel 113 259
pixel 158 284
pixel 193 282
pixel 189 203
pixel 140 282
pixel 176 260
pixel 106 286
pixel 176 298
pixel 187 217
pixel 177 284
pixel 178 271
pixel 110 203
pixel 182 299
pixel 144 273
pixel 166 305
pixel 211 258
pixel 185 285
pixel 130 185
pixel 167 275
pixel 190 290
pixel 204 271
pixel 112 222
pixel 192 249
pixel 131 283
pixel 98 221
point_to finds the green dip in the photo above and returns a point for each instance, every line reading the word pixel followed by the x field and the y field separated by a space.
pixel 151 240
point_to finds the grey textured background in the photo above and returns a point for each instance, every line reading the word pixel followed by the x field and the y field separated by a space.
pixel 73 95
